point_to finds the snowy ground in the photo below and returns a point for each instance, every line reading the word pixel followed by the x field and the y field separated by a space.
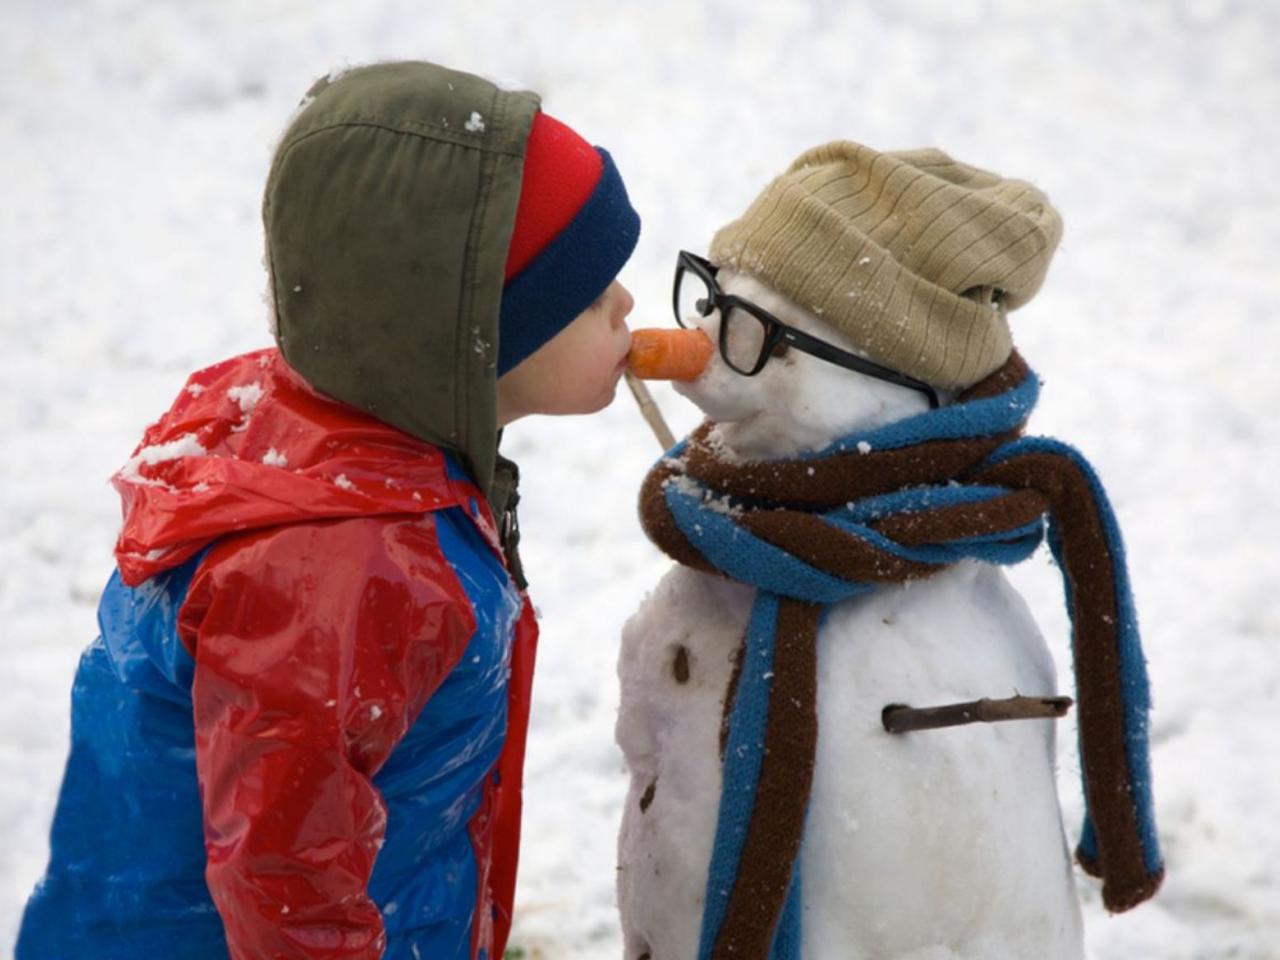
pixel 133 141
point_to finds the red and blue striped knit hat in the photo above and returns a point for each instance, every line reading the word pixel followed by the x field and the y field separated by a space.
pixel 574 230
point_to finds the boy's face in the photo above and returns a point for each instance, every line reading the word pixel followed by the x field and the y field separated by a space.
pixel 577 371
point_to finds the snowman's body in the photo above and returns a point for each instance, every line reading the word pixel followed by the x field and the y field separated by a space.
pixel 936 844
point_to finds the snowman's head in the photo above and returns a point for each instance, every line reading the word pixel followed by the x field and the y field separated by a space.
pixel 909 258
pixel 797 402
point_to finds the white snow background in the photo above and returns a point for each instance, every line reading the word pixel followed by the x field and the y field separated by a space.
pixel 134 139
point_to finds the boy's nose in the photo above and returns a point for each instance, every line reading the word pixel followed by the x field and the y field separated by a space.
pixel 626 303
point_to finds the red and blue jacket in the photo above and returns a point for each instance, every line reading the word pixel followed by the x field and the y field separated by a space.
pixel 300 733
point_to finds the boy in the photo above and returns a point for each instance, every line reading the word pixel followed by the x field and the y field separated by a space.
pixel 301 731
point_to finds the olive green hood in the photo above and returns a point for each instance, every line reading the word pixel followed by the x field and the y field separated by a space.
pixel 388 212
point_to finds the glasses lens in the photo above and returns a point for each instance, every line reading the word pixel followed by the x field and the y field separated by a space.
pixel 742 340
pixel 692 297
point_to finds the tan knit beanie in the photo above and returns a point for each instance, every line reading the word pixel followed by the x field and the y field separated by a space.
pixel 916 256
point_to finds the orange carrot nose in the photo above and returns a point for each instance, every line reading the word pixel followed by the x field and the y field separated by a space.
pixel 669 354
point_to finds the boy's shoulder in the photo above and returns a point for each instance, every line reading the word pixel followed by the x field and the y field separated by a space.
pixel 248 445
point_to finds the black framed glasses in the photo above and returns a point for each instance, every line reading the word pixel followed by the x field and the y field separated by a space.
pixel 750 334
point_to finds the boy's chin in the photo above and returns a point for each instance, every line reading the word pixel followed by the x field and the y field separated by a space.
pixel 592 405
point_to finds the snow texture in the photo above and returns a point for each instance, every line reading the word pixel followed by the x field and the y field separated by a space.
pixel 186 445
pixel 1155 333
pixel 246 396
pixel 275 458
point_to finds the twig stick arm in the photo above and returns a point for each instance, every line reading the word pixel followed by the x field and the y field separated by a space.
pixel 649 410
pixel 900 718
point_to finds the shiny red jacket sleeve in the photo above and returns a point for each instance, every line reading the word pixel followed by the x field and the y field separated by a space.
pixel 316 645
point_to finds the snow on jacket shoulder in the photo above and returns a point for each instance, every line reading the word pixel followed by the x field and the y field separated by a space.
pixel 300 732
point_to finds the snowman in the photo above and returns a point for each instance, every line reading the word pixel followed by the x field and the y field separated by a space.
pixel 839 523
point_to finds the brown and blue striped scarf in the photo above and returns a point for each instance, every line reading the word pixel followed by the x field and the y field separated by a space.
pixel 891 505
